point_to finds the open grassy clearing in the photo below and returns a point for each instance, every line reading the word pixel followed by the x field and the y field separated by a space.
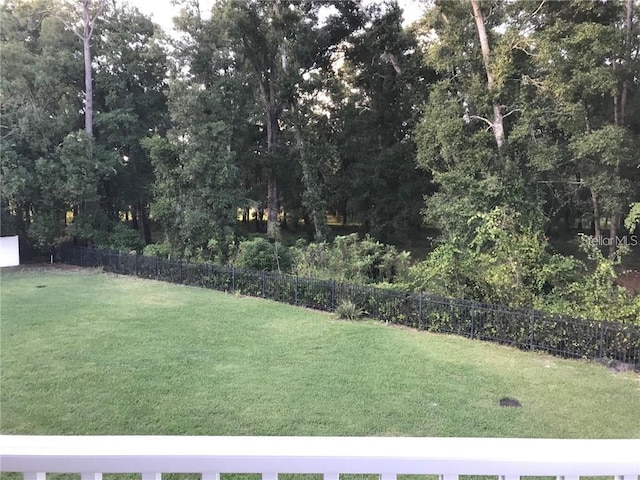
pixel 90 353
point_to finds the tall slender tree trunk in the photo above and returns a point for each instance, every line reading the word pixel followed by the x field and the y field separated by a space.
pixel 627 54
pixel 497 123
pixel 142 223
pixel 317 216
pixel 90 13
pixel 613 235
pixel 88 80
pixel 620 105
pixel 89 17
pixel 273 225
pixel 597 230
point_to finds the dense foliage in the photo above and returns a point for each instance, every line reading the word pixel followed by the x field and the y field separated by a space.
pixel 349 259
pixel 502 125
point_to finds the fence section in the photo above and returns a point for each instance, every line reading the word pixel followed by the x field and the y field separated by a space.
pixel 522 328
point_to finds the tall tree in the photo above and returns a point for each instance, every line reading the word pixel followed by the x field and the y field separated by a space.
pixel 131 103
pixel 273 46
pixel 195 177
pixel 194 162
pixel 483 65
pixel 587 65
pixel 384 85
pixel 497 124
pixel 48 167
pixel 88 11
pixel 39 107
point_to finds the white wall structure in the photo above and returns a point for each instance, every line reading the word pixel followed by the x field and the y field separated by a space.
pixel 9 251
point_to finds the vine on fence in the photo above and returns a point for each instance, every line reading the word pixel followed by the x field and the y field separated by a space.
pixel 522 328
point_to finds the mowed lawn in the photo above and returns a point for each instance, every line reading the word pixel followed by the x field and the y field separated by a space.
pixel 92 353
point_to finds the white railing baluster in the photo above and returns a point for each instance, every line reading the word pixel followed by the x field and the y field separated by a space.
pixel 151 476
pixel 269 476
pixel 449 477
pixel 210 476
pixel 331 476
pixel 34 476
pixel 509 477
pixel 90 476
pixel 388 476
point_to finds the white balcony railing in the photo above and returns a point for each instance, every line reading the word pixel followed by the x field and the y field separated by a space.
pixel 91 456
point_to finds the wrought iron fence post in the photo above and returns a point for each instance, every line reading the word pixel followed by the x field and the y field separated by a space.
pixel 81 257
pixel 135 265
pixel 420 309
pixel 264 282
pixel 157 268
pixel 333 295
pixel 233 278
pixel 295 290
pixel 180 277
pixel 375 301
pixel 473 317
pixel 601 345
pixel 532 325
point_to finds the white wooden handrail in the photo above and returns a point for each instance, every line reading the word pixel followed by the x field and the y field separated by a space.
pixel 269 456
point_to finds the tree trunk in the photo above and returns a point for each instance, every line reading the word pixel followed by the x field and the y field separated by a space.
pixel 89 15
pixel 317 216
pixel 87 23
pixel 273 227
pixel 497 123
pixel 627 55
pixel 22 220
pixel 142 224
pixel 88 88
pixel 613 235
pixel 597 231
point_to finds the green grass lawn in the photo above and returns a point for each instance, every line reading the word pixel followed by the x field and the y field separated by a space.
pixel 92 353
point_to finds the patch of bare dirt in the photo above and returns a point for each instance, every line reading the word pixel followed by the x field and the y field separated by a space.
pixel 617 366
pixel 509 402
pixel 630 279
pixel 40 267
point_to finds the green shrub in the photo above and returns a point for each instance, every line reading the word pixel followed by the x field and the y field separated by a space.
pixel 594 294
pixel 508 264
pixel 349 259
pixel 162 250
pixel 260 254
pixel 125 238
pixel 348 310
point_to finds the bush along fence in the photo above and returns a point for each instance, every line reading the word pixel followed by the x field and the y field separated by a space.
pixel 522 328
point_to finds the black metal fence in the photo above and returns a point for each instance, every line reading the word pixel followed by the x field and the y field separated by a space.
pixel 522 328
